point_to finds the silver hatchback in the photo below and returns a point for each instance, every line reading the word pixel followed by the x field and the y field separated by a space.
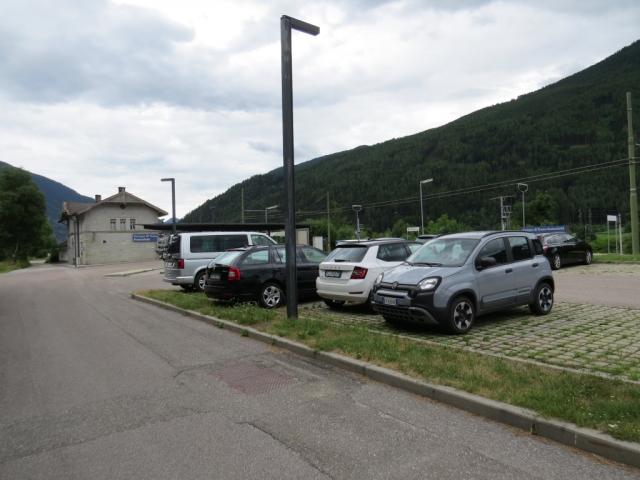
pixel 453 279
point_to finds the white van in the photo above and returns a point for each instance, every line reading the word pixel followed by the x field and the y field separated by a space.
pixel 189 253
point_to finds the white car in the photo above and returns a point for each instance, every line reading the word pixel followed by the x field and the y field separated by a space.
pixel 348 273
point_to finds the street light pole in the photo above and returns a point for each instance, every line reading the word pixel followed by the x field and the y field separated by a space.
pixel 266 211
pixel 428 180
pixel 523 187
pixel 357 208
pixel 173 201
pixel 286 24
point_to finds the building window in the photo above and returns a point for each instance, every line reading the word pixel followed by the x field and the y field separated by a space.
pixel 113 223
pixel 123 224
pixel 132 224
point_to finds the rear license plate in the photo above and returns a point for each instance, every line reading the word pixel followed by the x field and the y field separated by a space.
pixel 332 273
pixel 168 264
pixel 389 301
pixel 214 276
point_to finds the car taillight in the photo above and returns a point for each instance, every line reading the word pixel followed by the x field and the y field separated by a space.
pixel 233 275
pixel 181 263
pixel 545 248
pixel 359 273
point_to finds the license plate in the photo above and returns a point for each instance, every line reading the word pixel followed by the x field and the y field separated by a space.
pixel 214 276
pixel 389 301
pixel 332 273
pixel 168 264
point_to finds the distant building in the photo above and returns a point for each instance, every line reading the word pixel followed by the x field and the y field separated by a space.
pixel 109 230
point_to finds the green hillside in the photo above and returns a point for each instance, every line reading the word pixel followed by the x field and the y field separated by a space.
pixel 578 121
pixel 54 194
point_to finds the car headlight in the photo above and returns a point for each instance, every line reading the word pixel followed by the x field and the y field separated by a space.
pixel 429 283
pixel 379 279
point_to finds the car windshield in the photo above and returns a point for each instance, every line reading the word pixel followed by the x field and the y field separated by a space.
pixel 347 254
pixel 444 252
pixel 226 258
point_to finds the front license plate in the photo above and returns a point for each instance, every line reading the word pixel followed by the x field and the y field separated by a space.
pixel 332 273
pixel 389 301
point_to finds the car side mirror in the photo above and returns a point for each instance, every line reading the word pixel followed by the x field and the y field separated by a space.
pixel 486 262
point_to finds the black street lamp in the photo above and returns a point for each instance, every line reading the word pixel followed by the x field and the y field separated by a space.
pixel 286 24
pixel 173 201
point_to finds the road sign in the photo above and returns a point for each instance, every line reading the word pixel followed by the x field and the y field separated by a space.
pixel 413 229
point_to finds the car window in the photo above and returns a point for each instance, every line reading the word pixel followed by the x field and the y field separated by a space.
pixel 313 255
pixel 257 257
pixel 519 248
pixel 392 252
pixel 203 243
pixel 448 252
pixel 279 255
pixel 537 247
pixel 348 254
pixel 227 242
pixel 227 258
pixel 495 249
pixel 261 240
pixel 414 246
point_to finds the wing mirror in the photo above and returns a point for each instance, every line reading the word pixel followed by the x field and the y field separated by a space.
pixel 486 262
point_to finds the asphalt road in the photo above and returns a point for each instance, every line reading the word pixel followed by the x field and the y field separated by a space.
pixel 94 385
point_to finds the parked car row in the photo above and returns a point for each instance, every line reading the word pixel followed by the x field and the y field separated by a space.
pixel 449 280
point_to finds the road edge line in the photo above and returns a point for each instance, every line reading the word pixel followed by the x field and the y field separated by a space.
pixel 585 439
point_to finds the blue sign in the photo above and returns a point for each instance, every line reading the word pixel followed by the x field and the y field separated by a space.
pixel 546 229
pixel 144 237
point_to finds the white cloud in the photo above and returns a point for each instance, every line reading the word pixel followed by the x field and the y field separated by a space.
pixel 97 94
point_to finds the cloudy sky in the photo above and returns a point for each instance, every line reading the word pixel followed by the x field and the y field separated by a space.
pixel 97 94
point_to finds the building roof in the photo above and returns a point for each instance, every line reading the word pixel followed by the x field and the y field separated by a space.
pixel 70 209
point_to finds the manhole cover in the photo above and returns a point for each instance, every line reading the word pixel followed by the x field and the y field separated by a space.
pixel 252 379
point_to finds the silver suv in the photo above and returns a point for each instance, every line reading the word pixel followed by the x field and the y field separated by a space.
pixel 453 279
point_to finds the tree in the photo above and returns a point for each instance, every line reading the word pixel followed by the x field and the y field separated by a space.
pixel 444 225
pixel 24 229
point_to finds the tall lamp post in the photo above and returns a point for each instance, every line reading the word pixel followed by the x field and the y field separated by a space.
pixel 428 180
pixel 266 212
pixel 286 24
pixel 357 208
pixel 173 201
pixel 523 187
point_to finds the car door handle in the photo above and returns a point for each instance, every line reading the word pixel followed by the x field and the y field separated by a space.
pixel 508 270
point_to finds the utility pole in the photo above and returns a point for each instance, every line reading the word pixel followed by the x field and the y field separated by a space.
pixel 242 205
pixel 505 211
pixel 328 226
pixel 633 193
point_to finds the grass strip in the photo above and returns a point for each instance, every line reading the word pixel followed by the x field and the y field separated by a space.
pixel 616 258
pixel 607 405
pixel 8 266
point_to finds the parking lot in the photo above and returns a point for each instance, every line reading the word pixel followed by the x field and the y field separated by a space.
pixel 585 331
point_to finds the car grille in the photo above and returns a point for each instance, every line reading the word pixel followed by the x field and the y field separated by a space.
pixel 395 313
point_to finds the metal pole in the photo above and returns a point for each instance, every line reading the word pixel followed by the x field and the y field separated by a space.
pixel 620 230
pixel 328 226
pixel 242 205
pixel 173 204
pixel 286 24
pixel 266 216
pixel 421 212
pixel 633 193
pixel 524 225
pixel 357 225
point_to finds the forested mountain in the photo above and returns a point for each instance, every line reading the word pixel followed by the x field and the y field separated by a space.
pixel 54 194
pixel 575 122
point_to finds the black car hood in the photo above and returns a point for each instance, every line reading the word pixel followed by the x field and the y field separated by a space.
pixel 412 274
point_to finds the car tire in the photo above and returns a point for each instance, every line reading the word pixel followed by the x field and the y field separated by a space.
pixel 556 261
pixel 334 304
pixel 198 282
pixel 542 299
pixel 461 316
pixel 271 295
pixel 588 257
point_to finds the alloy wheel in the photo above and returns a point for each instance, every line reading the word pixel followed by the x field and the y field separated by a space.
pixel 271 296
pixel 463 315
pixel 557 262
pixel 545 298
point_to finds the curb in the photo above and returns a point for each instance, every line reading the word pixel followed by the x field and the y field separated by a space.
pixel 585 439
pixel 129 272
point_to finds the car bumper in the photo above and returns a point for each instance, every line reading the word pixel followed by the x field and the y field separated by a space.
pixel 352 291
pixel 420 308
pixel 226 292
pixel 179 280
